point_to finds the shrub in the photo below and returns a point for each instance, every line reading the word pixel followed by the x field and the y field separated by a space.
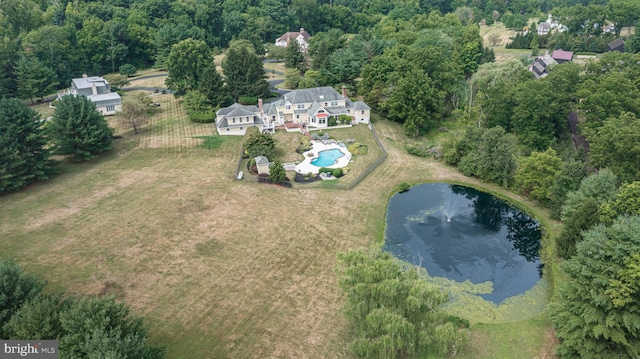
pixel 202 117
pixel 358 149
pixel 403 187
pixel 333 121
pixel 321 136
pixel 247 100
pixel 198 107
pixel 325 170
pixel 418 150
pixel 337 172
pixel 304 146
pixel 345 119
pixel 127 70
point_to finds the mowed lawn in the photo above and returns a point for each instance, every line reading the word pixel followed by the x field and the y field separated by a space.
pixel 220 268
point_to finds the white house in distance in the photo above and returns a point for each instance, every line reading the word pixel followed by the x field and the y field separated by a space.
pixel 311 107
pixel 98 90
pixel 302 37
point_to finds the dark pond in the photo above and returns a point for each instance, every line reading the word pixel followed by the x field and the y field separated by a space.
pixel 460 233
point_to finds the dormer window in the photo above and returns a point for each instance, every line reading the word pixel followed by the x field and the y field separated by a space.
pixel 287 107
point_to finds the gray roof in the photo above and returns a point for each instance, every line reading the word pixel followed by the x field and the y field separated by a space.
pixel 319 94
pixel 359 105
pixel 111 96
pixel 86 82
pixel 237 109
pixel 261 160
pixel 616 44
pixel 538 67
pixel 337 111
pixel 314 108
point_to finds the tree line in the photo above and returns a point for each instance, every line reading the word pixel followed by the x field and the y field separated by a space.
pixel 86 327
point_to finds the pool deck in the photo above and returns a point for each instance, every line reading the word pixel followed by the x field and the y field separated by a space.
pixel 306 166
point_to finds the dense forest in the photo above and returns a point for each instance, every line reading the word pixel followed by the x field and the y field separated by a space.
pixel 569 141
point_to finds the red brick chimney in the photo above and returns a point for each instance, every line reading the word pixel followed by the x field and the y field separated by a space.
pixel 344 91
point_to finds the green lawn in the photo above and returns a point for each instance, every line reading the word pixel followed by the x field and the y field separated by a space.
pixel 223 268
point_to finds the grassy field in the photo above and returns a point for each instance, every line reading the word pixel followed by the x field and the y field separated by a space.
pixel 221 268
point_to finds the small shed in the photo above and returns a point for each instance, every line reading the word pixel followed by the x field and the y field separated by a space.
pixel 262 163
pixel 616 45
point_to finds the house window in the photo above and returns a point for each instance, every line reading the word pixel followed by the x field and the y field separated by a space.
pixel 322 121
pixel 233 120
pixel 288 107
pixel 300 106
pixel 326 103
pixel 363 112
pixel 111 108
pixel 241 128
pixel 227 129
pixel 320 111
pixel 334 103
pixel 297 117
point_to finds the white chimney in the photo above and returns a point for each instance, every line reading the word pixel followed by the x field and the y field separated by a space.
pixel 94 89
pixel 301 30
pixel 344 91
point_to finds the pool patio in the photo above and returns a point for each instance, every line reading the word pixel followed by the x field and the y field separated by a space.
pixel 318 146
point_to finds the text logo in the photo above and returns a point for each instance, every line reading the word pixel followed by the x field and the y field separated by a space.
pixel 31 349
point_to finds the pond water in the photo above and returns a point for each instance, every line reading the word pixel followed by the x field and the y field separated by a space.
pixel 327 158
pixel 461 234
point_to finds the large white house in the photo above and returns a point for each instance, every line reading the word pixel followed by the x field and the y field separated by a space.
pixel 312 107
pixel 302 37
pixel 98 90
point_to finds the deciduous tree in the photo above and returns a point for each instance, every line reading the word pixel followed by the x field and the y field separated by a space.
pixel 394 311
pixel 134 112
pixel 186 64
pixel 626 201
pixel 615 145
pixel 536 174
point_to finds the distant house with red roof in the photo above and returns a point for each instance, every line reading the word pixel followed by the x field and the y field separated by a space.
pixel 302 37
pixel 562 56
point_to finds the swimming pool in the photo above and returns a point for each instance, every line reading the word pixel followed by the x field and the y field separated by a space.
pixel 327 158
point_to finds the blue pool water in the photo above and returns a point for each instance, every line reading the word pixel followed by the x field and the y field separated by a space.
pixel 327 158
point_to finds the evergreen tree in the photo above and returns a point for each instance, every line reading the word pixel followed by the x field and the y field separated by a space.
pixel 34 78
pixel 24 157
pixel 581 207
pixel 16 288
pixel 277 173
pixel 212 86
pixel 78 129
pixel 596 315
pixel 244 72
pixel 293 56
